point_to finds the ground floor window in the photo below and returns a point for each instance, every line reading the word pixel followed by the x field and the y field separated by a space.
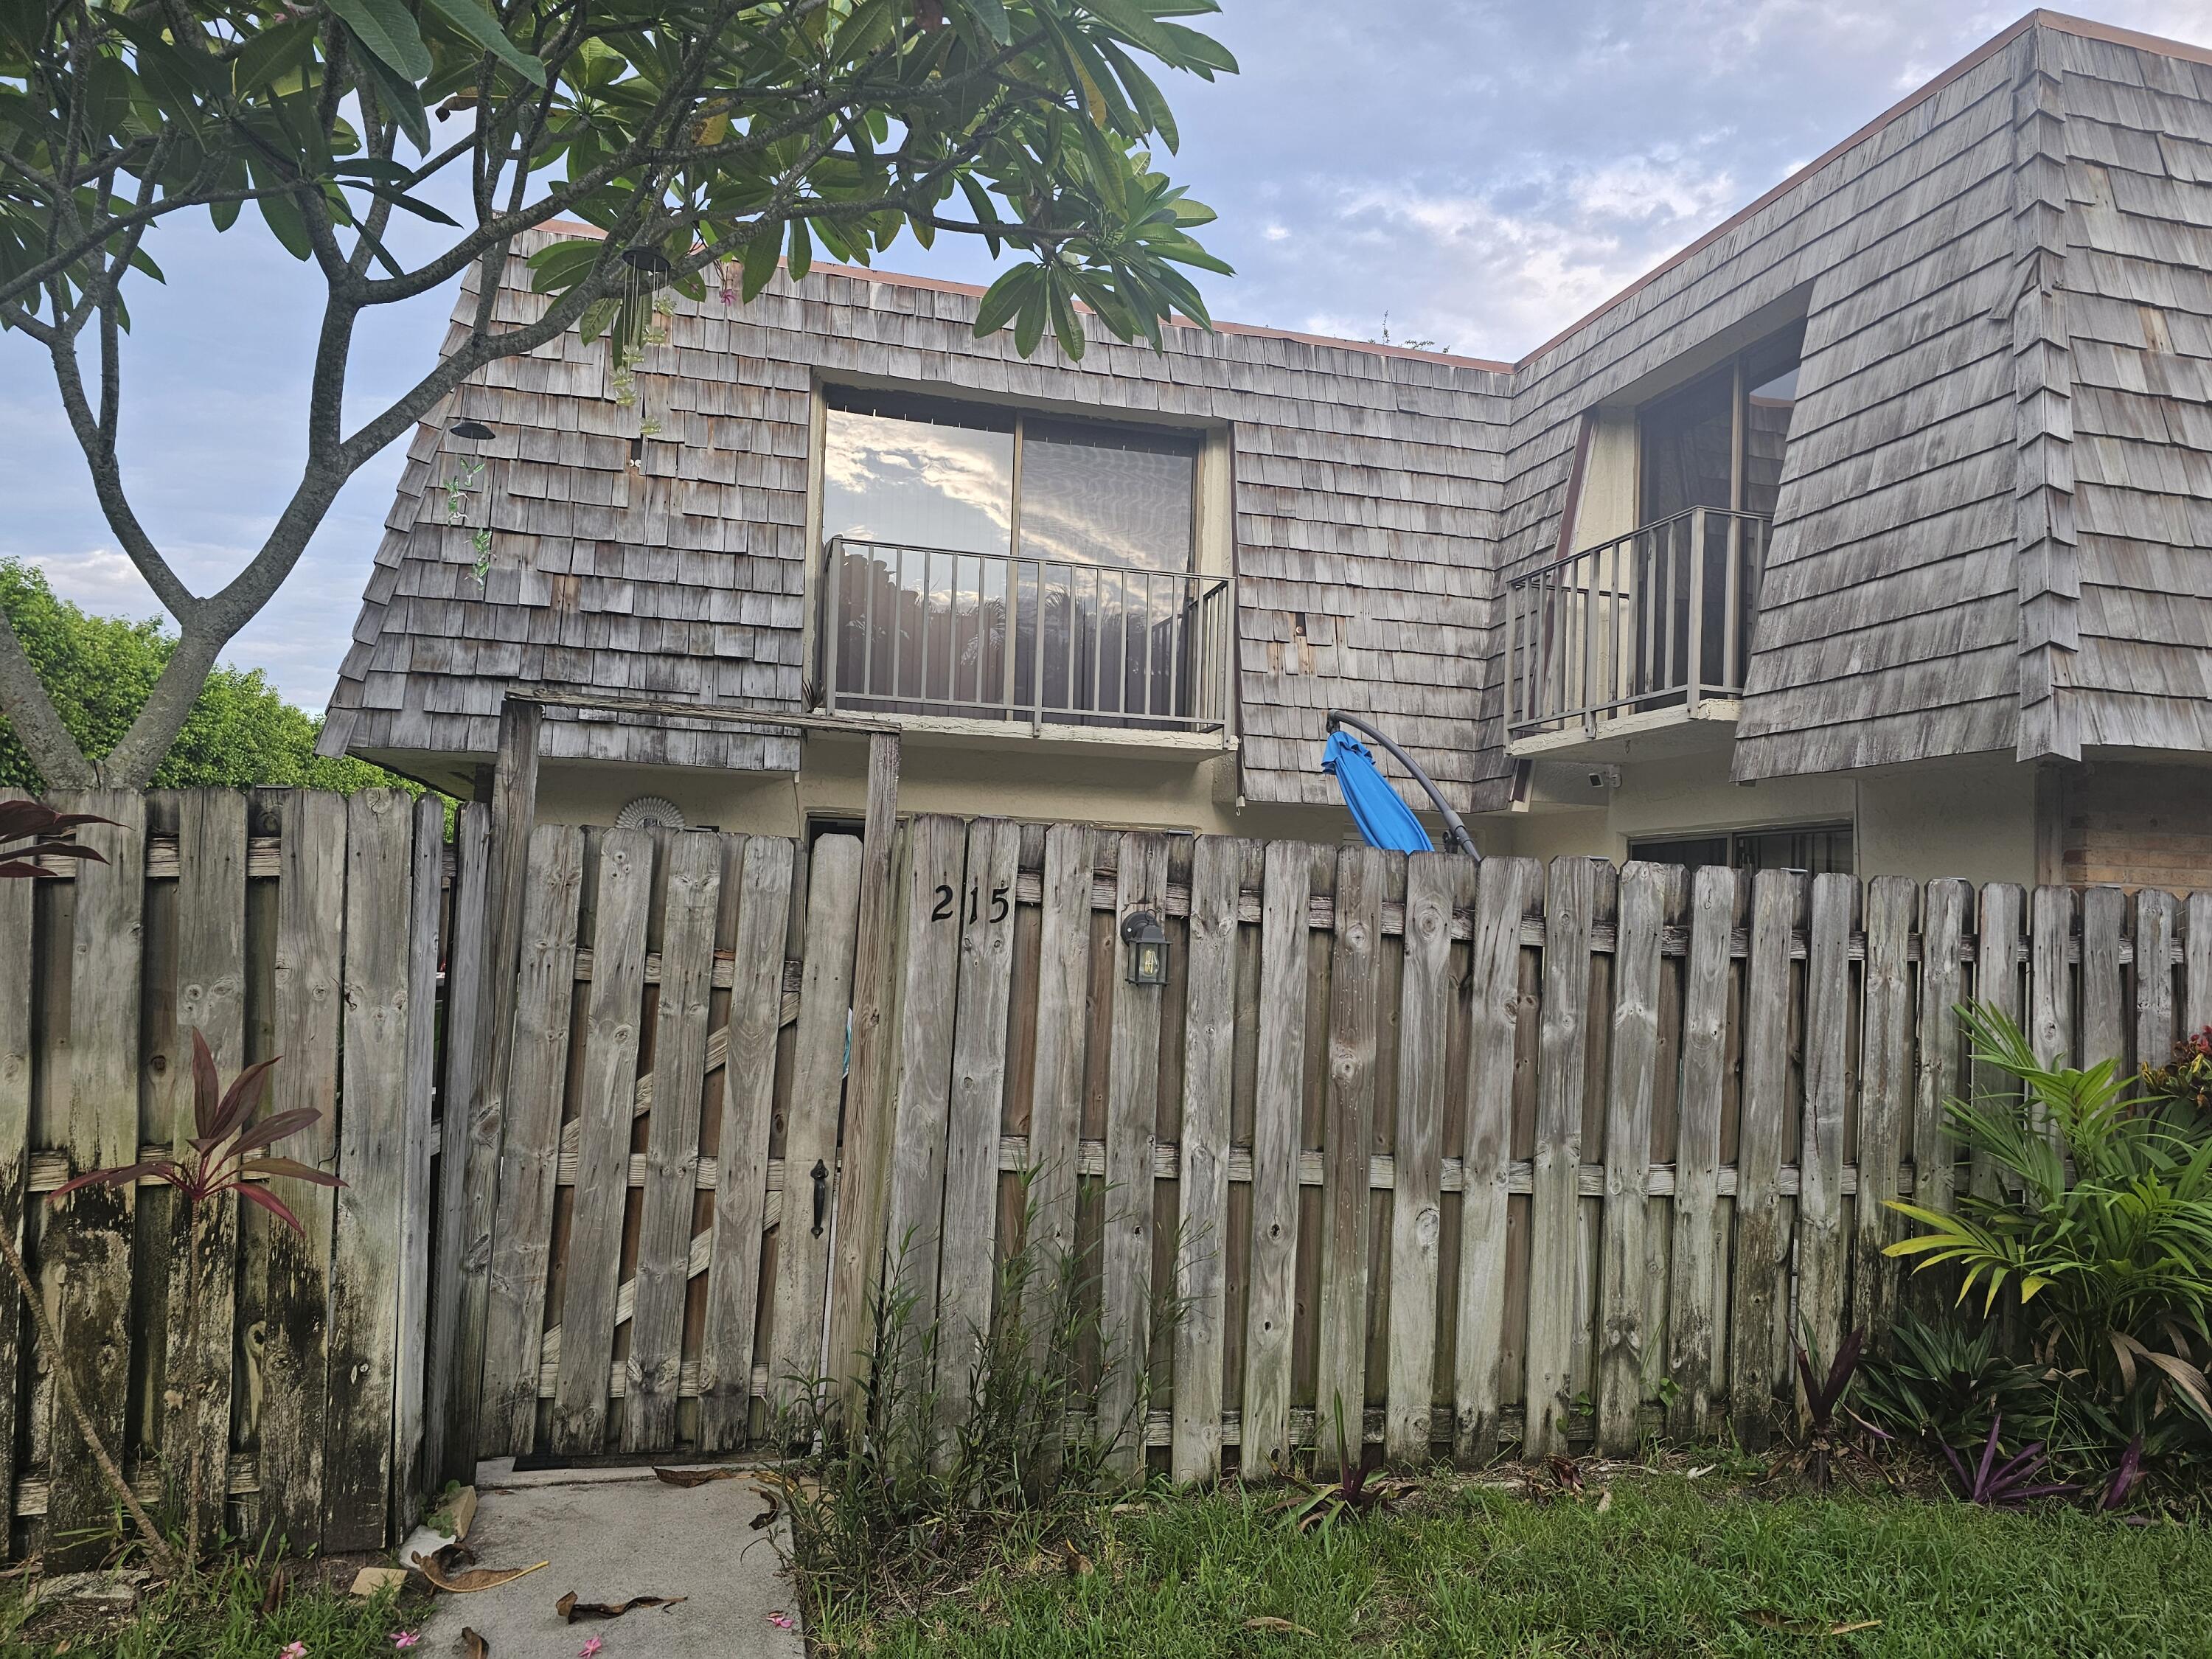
pixel 1822 849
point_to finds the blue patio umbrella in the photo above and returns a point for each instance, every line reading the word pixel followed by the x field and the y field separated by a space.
pixel 1383 819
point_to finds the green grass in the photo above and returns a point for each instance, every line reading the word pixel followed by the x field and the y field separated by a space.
pixel 1670 1568
pixel 218 1617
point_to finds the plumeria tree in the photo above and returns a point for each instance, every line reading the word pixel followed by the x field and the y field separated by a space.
pixel 703 138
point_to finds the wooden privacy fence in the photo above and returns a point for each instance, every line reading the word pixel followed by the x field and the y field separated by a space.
pixel 308 926
pixel 1486 1155
pixel 1494 1156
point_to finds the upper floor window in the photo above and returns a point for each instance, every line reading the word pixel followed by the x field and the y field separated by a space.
pixel 923 472
pixel 989 563
pixel 1719 440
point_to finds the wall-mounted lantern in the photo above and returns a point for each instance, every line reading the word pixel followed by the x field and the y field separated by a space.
pixel 1148 948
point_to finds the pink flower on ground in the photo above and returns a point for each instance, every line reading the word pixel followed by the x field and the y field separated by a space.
pixel 294 1650
pixel 589 1648
pixel 781 1621
pixel 406 1639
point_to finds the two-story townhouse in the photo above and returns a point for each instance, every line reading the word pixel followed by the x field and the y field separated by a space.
pixel 1872 531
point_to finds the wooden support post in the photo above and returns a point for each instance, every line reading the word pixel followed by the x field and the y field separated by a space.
pixel 514 811
pixel 865 1165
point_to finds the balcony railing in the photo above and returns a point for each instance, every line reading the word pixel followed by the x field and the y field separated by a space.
pixel 992 636
pixel 1660 619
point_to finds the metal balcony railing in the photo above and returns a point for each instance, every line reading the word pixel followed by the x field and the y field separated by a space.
pixel 1658 619
pixel 994 636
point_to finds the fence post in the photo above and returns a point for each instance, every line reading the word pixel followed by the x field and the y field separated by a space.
pixel 1555 1202
pixel 1271 1306
pixel 513 814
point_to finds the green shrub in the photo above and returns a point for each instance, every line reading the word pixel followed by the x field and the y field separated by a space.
pixel 2097 1236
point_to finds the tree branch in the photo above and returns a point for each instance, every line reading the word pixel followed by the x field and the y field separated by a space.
pixel 37 727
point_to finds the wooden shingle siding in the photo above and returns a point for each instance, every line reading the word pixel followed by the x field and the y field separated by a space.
pixel 1364 486
pixel 2138 156
pixel 1993 512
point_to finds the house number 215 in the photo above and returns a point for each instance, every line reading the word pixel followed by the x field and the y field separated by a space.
pixel 948 902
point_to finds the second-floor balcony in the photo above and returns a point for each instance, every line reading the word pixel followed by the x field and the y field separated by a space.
pixel 1649 631
pixel 948 639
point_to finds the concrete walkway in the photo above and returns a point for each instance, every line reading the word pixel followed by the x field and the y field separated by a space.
pixel 610 1534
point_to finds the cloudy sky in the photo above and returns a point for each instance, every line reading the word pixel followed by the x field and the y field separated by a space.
pixel 1469 175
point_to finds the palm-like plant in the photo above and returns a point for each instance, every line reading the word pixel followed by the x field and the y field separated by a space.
pixel 2101 1229
pixel 228 1153
pixel 31 829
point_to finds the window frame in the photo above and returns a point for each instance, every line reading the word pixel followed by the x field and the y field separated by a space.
pixel 1736 366
pixel 1735 833
pixel 1003 416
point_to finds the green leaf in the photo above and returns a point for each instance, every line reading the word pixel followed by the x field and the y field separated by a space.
pixel 800 259
pixel 559 266
pixel 1065 326
pixel 1003 298
pixel 992 15
pixel 399 97
pixel 757 268
pixel 471 19
pixel 386 27
pixel 274 53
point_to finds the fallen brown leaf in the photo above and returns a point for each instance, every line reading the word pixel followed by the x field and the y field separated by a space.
pixel 1268 1621
pixel 571 1609
pixel 1848 1630
pixel 280 1587
pixel 473 1646
pixel 702 1474
pixel 471 1579
pixel 766 1519
pixel 1073 1562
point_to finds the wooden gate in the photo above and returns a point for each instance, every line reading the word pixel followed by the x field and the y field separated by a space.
pixel 659 1258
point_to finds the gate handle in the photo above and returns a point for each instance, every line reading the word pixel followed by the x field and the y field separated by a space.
pixel 821 1194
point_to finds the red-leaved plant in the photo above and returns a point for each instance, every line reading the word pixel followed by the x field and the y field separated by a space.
pixel 31 829
pixel 229 1151
pixel 228 1148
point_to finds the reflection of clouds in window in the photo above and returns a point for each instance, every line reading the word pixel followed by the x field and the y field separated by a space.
pixel 918 484
pixel 1102 504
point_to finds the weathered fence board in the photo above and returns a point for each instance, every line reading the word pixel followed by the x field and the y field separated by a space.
pixel 693 887
pixel 85 1248
pixel 729 1331
pixel 1267 1408
pixel 1348 1139
pixel 529 1149
pixel 1759 1300
pixel 357 1450
pixel 18 1040
pixel 1203 1245
pixel 973 1111
pixel 1625 1286
pixel 1437 888
pixel 810 1118
pixel 1125 1265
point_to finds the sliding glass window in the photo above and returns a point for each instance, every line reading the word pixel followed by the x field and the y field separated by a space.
pixel 987 564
